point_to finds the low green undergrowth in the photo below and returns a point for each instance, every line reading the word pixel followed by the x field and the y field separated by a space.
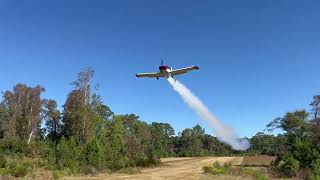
pixel 216 168
pixel 130 170
pixel 16 167
pixel 226 169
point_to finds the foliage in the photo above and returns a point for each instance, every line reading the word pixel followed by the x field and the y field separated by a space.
pixel 115 158
pixel 9 146
pixel 289 166
pixel 19 170
pixel 262 143
pixel 52 117
pixel 22 108
pixel 162 139
pixel 93 154
pixel 316 167
pixel 69 154
pixel 88 170
pixel 315 177
pixel 303 151
pixel 3 161
pixel 315 104
pixel 216 168
pixel 129 170
pixel 56 174
pixel 250 172
pixel 17 167
pixel 194 142
pixel 300 142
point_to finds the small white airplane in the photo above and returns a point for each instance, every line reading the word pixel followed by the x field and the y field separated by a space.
pixel 167 72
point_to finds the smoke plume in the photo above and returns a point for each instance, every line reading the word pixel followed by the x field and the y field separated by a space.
pixel 222 132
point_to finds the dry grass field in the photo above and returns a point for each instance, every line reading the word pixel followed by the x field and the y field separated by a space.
pixel 182 169
pixel 253 161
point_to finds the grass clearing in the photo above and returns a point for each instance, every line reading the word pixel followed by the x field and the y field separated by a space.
pixel 258 161
pixel 187 168
pixel 254 167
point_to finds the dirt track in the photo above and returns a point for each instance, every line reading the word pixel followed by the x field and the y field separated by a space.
pixel 171 168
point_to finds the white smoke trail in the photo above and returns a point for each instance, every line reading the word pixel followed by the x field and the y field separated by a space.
pixel 222 132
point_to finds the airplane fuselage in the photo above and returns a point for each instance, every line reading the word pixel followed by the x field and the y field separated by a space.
pixel 165 71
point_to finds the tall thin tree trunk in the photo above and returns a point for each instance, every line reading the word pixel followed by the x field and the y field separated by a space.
pixel 30 136
pixel 30 120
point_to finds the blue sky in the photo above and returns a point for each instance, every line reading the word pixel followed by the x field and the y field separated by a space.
pixel 258 59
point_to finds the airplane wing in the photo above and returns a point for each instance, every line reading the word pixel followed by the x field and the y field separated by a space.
pixel 183 70
pixel 149 75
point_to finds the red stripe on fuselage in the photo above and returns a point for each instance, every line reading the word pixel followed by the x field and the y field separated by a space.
pixel 164 67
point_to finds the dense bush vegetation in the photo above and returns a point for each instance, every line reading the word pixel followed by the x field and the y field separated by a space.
pixel 299 155
pixel 298 146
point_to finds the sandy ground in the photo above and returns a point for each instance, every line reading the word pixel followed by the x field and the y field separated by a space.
pixel 171 168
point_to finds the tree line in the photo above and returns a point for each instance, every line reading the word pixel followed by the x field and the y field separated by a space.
pixel 85 136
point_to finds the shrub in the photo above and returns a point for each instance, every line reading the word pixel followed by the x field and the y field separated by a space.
pixel 206 169
pixel 216 168
pixel 69 155
pixel 227 165
pixel 88 170
pixel 2 161
pixel 13 146
pixel 304 151
pixel 117 162
pixel 17 166
pixel 49 153
pixel 315 177
pixel 94 155
pixel 316 167
pixel 289 166
pixel 19 169
pixel 129 170
pixel 260 176
pixel 56 174
pixel 154 160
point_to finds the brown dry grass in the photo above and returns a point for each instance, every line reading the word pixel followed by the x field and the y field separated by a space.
pixel 258 160
pixel 185 169
pixel 171 168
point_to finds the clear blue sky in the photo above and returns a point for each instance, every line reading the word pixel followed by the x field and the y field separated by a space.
pixel 258 59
